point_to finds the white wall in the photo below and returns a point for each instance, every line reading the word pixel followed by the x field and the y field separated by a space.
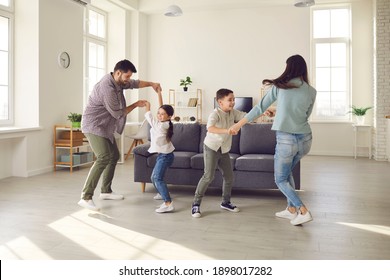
pixel 239 48
pixel 234 49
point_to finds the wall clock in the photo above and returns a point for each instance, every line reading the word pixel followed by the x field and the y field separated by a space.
pixel 64 60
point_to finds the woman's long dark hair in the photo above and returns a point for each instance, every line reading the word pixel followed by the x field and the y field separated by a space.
pixel 169 110
pixel 295 67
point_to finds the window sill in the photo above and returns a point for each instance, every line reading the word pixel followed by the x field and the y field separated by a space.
pixel 17 129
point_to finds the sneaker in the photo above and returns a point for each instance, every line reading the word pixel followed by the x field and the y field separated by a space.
pixel 230 207
pixel 111 196
pixel 158 197
pixel 165 208
pixel 301 219
pixel 285 214
pixel 88 204
pixel 195 211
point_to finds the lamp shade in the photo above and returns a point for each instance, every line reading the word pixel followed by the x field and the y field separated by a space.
pixel 304 3
pixel 173 11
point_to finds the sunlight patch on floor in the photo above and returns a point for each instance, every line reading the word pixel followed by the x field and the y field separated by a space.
pixel 109 241
pixel 374 228
pixel 22 248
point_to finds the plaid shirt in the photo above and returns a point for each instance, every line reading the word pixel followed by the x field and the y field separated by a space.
pixel 105 112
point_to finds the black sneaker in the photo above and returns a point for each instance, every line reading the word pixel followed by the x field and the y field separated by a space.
pixel 230 207
pixel 195 212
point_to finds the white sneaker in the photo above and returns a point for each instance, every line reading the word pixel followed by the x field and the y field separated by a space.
pixel 164 208
pixel 285 214
pixel 301 219
pixel 158 197
pixel 88 204
pixel 111 196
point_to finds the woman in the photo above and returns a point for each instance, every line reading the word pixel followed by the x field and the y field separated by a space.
pixel 295 100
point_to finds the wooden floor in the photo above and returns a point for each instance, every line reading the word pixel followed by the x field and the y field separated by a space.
pixel 349 200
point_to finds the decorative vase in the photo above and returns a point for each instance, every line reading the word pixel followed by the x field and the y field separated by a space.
pixel 360 120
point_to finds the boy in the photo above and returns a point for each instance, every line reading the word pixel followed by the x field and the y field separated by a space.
pixel 217 144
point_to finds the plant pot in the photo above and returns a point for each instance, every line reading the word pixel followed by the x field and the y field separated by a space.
pixel 185 88
pixel 360 120
pixel 76 124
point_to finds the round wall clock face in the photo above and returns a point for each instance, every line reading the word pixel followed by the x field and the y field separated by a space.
pixel 64 59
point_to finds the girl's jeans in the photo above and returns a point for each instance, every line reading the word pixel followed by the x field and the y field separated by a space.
pixel 162 163
pixel 290 148
pixel 212 159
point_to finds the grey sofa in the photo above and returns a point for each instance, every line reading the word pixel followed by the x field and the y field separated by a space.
pixel 252 156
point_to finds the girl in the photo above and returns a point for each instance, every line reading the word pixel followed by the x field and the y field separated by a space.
pixel 295 103
pixel 161 133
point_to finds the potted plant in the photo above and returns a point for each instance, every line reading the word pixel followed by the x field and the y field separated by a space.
pixel 185 83
pixel 75 118
pixel 359 113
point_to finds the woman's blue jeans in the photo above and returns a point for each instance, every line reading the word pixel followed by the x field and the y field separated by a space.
pixel 290 148
pixel 162 163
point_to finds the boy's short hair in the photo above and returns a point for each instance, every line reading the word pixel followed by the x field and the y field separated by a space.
pixel 221 93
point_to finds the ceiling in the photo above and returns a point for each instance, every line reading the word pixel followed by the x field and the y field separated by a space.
pixel 158 6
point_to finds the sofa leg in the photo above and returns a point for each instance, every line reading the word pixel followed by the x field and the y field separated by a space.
pixel 143 185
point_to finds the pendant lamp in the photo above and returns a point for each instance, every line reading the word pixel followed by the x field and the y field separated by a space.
pixel 304 3
pixel 173 11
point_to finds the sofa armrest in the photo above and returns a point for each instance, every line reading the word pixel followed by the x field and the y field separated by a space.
pixel 142 150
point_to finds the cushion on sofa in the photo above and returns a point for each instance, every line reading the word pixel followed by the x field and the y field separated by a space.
pixel 142 150
pixel 257 139
pixel 186 137
pixel 197 161
pixel 255 162
pixel 203 132
pixel 182 160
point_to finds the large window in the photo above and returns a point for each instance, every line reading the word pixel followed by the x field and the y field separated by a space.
pixel 95 46
pixel 331 43
pixel 6 94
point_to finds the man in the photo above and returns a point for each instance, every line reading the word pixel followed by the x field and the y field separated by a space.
pixel 104 115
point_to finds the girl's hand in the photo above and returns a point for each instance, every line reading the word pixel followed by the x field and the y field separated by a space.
pixel 157 87
pixel 147 105
pixel 141 103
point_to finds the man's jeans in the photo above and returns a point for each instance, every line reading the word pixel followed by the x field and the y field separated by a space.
pixel 290 148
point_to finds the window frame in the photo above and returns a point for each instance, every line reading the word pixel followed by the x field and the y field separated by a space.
pixel 332 40
pixel 7 12
pixel 90 38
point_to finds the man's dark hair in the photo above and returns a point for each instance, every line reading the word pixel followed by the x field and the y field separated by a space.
pixel 221 93
pixel 125 66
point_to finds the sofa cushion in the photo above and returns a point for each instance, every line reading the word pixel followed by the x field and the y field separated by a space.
pixel 255 162
pixel 186 137
pixel 257 139
pixel 197 161
pixel 142 150
pixel 182 160
pixel 235 149
pixel 203 132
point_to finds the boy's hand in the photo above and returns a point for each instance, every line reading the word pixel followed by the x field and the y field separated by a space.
pixel 232 132
pixel 235 128
pixel 270 112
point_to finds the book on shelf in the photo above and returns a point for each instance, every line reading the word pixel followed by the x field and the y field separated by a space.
pixel 192 102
